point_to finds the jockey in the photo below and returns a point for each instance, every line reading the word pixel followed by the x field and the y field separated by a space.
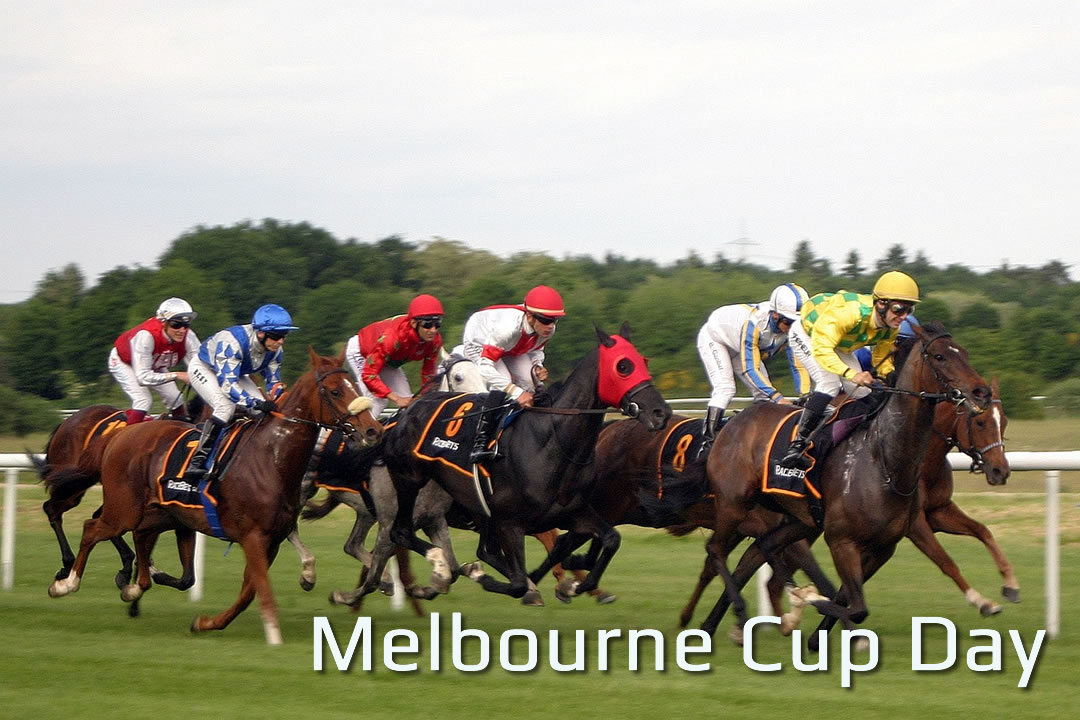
pixel 140 358
pixel 221 373
pixel 906 335
pixel 507 343
pixel 737 339
pixel 831 328
pixel 376 353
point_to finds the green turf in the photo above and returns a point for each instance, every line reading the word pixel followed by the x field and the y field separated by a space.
pixel 81 656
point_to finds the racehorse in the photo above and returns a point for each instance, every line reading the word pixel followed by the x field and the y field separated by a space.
pixel 869 482
pixel 63 449
pixel 981 437
pixel 258 490
pixel 357 481
pixel 537 484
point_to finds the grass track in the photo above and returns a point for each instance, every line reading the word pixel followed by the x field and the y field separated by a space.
pixel 82 656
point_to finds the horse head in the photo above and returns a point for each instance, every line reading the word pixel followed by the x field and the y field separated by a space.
pixel 459 374
pixel 940 365
pixel 325 395
pixel 623 380
pixel 982 438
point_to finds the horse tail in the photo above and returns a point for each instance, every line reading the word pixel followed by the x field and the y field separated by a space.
pixel 682 530
pixel 70 482
pixel 41 466
pixel 315 512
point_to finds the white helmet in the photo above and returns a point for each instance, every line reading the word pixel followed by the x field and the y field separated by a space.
pixel 787 300
pixel 176 309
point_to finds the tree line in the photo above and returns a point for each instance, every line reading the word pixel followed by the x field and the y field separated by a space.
pixel 1020 324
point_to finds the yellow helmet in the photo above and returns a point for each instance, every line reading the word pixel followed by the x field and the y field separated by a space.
pixel 895 285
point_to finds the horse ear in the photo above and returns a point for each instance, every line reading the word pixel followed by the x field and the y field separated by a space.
pixel 625 330
pixel 341 357
pixel 313 357
pixel 994 386
pixel 604 338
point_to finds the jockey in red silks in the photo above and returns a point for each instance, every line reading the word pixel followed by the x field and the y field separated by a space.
pixel 140 358
pixel 376 353
pixel 507 343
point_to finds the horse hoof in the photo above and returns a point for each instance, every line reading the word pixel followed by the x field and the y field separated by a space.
pixel 566 589
pixel 990 608
pixel 130 593
pixel 55 590
pixel 386 588
pixel 307 585
pixel 474 571
pixel 197 625
pixel 532 598
pixel 606 598
pixel 736 635
pixel 1011 594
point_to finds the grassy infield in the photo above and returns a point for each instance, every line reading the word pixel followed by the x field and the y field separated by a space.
pixel 82 656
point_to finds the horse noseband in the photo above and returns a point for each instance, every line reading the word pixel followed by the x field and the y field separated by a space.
pixel 628 406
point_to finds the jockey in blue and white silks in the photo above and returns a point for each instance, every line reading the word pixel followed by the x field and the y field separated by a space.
pixel 221 372
pixel 737 339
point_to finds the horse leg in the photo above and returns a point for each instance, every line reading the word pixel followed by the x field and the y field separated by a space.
pixel 951 519
pixel 848 613
pixel 706 577
pixel 511 539
pixel 404 535
pixel 127 559
pixel 145 539
pixel 54 510
pixel 185 549
pixel 258 554
pixel 307 560
pixel 95 530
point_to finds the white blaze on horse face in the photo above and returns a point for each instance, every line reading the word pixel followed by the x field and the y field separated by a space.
pixel 996 414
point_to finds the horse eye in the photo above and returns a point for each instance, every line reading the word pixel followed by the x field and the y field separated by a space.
pixel 624 367
pixel 336 392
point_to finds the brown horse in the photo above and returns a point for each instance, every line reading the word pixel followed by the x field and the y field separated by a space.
pixel 982 438
pixel 259 489
pixel 869 482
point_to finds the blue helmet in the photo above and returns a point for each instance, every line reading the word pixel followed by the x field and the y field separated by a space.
pixel 273 318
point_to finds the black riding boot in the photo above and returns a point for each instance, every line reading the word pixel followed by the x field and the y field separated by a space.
pixel 485 428
pixel 813 411
pixel 210 432
pixel 713 420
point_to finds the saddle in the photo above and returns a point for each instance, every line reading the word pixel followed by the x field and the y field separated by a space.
pixel 173 489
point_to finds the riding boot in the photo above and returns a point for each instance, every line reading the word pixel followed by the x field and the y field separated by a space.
pixel 197 466
pixel 134 417
pixel 713 420
pixel 811 418
pixel 485 429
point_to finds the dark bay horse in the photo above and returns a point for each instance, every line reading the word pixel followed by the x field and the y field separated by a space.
pixel 981 437
pixel 537 485
pixel 869 481
pixel 258 491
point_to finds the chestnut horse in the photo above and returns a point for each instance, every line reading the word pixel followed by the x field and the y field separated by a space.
pixel 538 484
pixel 869 482
pixel 258 490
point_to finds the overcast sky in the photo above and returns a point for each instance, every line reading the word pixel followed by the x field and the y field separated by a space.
pixel 650 129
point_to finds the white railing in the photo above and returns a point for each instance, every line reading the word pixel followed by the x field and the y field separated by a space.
pixel 1052 462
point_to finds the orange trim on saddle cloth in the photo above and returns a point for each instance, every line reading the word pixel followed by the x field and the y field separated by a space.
pixel 660 458
pixel 768 452
pixel 112 423
pixel 427 428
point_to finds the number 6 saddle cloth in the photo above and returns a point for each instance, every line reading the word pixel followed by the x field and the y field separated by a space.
pixel 451 430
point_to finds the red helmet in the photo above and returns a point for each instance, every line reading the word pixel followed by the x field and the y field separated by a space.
pixel 423 305
pixel 543 300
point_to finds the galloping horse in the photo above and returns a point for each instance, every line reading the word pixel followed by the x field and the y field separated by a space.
pixel 258 489
pixel 869 482
pixel 981 437
pixel 537 485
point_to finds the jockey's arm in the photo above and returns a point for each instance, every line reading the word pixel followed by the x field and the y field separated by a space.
pixel 142 361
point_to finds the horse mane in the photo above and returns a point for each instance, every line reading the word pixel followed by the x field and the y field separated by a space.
pixel 904 345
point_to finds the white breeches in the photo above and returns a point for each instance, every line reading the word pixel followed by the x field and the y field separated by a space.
pixel 204 381
pixel 141 399
pixel 394 377
pixel 719 365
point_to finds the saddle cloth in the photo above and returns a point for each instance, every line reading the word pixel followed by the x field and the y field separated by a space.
pixel 679 480
pixel 106 425
pixel 173 489
pixel 451 430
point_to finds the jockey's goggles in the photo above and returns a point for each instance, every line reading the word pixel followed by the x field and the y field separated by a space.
pixel 901 308
pixel 429 321
pixel 275 334
pixel 177 324
pixel 544 319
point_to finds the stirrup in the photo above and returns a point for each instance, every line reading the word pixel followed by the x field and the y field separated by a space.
pixel 479 455
pixel 796 458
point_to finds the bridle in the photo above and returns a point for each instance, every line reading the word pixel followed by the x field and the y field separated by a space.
pixel 952 394
pixel 341 423
pixel 978 463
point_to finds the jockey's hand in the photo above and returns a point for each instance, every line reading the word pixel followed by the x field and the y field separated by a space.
pixel 863 378
pixel 525 399
pixel 540 373
pixel 265 406
pixel 784 401
pixel 402 401
pixel 181 376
